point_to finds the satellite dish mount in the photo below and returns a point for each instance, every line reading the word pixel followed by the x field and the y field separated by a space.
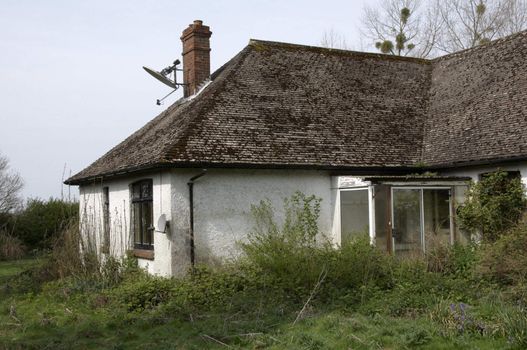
pixel 164 77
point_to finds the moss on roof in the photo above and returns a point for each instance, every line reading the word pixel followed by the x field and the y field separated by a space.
pixel 286 105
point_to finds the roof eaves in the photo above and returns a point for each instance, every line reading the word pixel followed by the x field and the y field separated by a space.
pixel 336 169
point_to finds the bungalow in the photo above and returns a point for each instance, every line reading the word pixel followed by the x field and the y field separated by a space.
pixel 387 142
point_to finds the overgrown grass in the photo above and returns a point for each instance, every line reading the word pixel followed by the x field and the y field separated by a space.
pixel 291 290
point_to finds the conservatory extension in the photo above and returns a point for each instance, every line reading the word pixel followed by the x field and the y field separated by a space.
pixel 403 214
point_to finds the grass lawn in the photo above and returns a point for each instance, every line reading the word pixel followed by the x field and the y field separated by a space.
pixel 78 314
pixel 9 269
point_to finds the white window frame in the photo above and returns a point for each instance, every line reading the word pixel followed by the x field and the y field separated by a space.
pixel 371 211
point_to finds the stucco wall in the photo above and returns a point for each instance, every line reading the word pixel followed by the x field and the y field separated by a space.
pixel 222 203
pixel 91 210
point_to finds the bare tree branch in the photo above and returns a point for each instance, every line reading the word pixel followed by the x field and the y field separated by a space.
pixel 468 23
pixel 333 40
pixel 436 26
pixel 401 27
pixel 10 186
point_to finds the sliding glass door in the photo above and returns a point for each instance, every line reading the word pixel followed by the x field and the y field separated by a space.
pixel 406 223
pixel 436 225
pixel 420 219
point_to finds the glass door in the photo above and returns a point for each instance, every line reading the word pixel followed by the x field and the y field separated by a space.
pixel 407 222
pixel 436 204
pixel 420 219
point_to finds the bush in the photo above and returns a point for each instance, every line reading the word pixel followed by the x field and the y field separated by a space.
pixel 294 257
pixel 357 268
pixel 494 205
pixel 41 221
pixel 288 255
pixel 456 259
pixel 505 261
pixel 11 248
pixel 144 292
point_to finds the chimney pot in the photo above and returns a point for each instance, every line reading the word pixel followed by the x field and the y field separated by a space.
pixel 196 56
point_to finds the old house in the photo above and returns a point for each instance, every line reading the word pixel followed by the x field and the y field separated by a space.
pixel 362 131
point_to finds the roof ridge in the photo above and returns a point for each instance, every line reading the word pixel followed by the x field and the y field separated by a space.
pixel 260 45
pixel 483 46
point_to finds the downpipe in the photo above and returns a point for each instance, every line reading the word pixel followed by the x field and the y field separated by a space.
pixel 190 184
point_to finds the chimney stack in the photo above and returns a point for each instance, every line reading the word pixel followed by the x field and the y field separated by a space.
pixel 196 56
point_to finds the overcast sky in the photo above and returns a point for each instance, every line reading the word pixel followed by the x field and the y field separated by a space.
pixel 71 82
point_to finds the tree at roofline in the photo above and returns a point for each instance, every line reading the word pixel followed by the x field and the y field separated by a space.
pixel 423 28
pixel 401 27
pixel 468 23
pixel 10 186
pixel 401 40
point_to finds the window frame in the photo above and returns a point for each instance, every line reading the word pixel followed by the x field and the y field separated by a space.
pixel 105 246
pixel 139 201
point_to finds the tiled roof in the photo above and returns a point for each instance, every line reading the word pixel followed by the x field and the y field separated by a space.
pixel 284 105
pixel 478 105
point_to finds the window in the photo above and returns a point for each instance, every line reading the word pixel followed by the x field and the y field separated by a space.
pixel 106 220
pixel 354 214
pixel 142 213
pixel 421 219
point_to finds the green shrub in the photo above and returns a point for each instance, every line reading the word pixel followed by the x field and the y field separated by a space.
pixel 291 256
pixel 358 268
pixel 41 221
pixel 143 292
pixel 505 261
pixel 456 259
pixel 295 257
pixel 493 206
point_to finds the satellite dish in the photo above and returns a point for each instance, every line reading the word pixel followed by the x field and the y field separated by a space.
pixel 162 223
pixel 162 78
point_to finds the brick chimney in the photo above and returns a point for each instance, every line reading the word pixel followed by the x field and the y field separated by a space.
pixel 196 56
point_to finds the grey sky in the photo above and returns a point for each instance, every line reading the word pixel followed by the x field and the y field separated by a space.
pixel 71 83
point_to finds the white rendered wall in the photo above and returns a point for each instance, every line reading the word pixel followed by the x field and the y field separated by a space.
pixel 474 172
pixel 222 204
pixel 91 211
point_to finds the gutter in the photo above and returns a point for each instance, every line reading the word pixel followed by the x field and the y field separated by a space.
pixel 363 170
pixel 190 184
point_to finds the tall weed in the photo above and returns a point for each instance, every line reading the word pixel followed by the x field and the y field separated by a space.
pixel 11 247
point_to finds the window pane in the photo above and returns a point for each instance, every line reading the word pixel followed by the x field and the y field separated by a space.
pixel 406 232
pixel 136 191
pixel 137 222
pixel 437 217
pixel 147 223
pixel 146 191
pixel 354 214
